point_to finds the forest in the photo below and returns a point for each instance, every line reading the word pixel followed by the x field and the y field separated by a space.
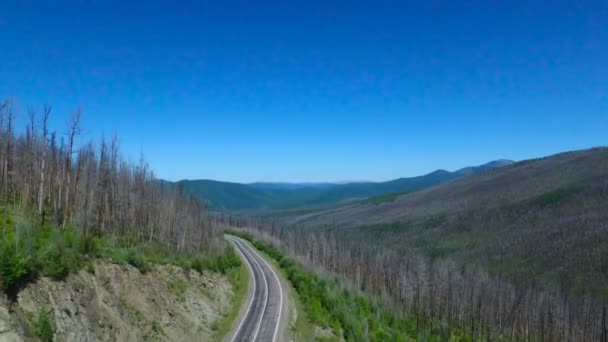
pixel 65 199
pixel 454 299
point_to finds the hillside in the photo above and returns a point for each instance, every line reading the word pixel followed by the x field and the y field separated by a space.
pixel 257 196
pixel 544 219
pixel 93 247
pixel 112 302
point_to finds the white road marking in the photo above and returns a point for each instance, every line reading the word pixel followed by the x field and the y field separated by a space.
pixel 249 251
pixel 276 329
pixel 257 329
pixel 238 329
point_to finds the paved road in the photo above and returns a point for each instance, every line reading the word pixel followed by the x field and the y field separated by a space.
pixel 262 320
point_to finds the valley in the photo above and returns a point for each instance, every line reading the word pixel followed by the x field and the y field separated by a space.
pixel 338 171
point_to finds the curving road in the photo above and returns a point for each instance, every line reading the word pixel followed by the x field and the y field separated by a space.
pixel 263 318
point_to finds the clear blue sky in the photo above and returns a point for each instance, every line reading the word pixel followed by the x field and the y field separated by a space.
pixel 313 91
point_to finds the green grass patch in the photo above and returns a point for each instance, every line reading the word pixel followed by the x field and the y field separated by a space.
pixel 178 287
pixel 42 326
pixel 556 196
pixel 90 267
pixel 452 243
pixel 157 328
pixel 390 197
pixel 239 279
pixel 28 250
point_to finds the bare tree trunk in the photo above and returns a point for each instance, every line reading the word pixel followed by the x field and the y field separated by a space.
pixel 8 163
pixel 604 327
pixel 73 131
pixel 45 118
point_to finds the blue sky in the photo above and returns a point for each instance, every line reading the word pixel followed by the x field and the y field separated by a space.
pixel 315 91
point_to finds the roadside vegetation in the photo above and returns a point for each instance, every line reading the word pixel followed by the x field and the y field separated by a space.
pixel 28 251
pixel 349 314
pixel 43 328
pixel 239 279
pixel 447 299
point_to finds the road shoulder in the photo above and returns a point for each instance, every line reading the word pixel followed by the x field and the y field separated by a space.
pixel 289 316
pixel 288 313
pixel 244 306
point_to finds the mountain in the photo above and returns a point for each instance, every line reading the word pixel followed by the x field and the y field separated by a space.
pixel 543 219
pixel 289 186
pixel 271 196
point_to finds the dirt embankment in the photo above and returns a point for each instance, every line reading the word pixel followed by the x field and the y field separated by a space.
pixel 119 303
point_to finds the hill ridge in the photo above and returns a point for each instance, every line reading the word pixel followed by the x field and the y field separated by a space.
pixel 255 196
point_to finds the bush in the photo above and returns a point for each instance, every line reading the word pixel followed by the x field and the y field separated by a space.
pixel 90 267
pixel 56 261
pixel 53 263
pixel 28 249
pixel 15 263
pixel 217 263
pixel 43 327
pixel 137 260
pixel 178 287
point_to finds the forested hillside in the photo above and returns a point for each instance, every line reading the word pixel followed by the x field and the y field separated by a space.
pixel 271 198
pixel 543 219
pixel 64 199
pixel 518 252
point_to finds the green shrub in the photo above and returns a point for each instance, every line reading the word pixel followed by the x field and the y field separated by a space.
pixel 53 263
pixel 178 287
pixel 15 262
pixel 217 263
pixel 137 260
pixel 56 261
pixel 157 328
pixel 90 267
pixel 57 252
pixel 43 327
pixel 28 249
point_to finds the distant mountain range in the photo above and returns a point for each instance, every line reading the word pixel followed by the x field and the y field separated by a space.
pixel 266 195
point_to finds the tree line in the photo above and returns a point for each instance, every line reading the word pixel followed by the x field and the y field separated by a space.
pixel 66 181
pixel 458 297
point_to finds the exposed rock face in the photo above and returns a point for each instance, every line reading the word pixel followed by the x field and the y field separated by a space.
pixel 119 303
pixel 7 329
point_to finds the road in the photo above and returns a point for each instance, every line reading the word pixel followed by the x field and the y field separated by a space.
pixel 263 319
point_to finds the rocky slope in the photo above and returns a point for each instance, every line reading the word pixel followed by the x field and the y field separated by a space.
pixel 119 303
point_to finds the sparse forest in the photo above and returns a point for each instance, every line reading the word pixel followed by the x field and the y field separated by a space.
pixel 64 199
pixel 450 297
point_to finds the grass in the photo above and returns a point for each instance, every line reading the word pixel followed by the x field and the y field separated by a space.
pixel 390 197
pixel 158 328
pixel 28 250
pixel 178 288
pixel 43 327
pixel 351 316
pixel 239 279
pixel 555 196
pixel 454 242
